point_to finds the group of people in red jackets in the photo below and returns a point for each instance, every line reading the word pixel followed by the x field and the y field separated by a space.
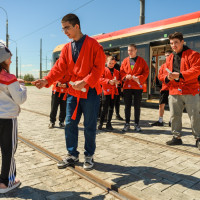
pixel 82 62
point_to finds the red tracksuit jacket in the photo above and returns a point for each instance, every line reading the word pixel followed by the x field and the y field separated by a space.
pixel 141 70
pixel 190 69
pixel 88 67
pixel 109 89
pixel 162 73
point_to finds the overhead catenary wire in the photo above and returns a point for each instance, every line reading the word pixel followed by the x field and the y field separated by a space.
pixel 43 27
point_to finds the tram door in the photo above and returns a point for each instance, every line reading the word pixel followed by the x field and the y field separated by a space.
pixel 157 58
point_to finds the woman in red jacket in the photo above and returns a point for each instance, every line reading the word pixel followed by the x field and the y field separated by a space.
pixel 109 81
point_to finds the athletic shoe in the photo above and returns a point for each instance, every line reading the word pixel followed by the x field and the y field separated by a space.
pixel 174 141
pixel 157 124
pixel 61 124
pixel 126 127
pixel 5 190
pixel 100 127
pixel 88 163
pixel 109 127
pixel 51 125
pixel 68 161
pixel 137 128
pixel 119 117
pixel 198 143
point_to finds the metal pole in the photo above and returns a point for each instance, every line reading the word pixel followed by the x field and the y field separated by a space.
pixel 16 64
pixel 7 36
pixel 41 58
pixel 142 12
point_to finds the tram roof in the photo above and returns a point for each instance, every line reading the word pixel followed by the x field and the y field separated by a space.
pixel 150 27
pixel 58 48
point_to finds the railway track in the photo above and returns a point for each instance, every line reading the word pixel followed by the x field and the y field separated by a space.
pixel 136 139
pixel 104 185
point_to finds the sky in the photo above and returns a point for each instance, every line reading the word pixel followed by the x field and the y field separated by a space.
pixel 32 20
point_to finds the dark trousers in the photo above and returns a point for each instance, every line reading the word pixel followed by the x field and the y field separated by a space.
pixel 117 102
pixel 128 94
pixel 107 108
pixel 8 144
pixel 55 102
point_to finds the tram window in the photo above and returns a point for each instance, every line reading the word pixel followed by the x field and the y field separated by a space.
pixel 143 52
pixel 193 43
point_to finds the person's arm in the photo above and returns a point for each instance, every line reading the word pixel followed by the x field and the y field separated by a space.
pixel 18 92
pixel 58 70
pixel 194 71
pixel 145 73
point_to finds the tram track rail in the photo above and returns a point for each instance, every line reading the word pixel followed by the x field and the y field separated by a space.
pixel 104 185
pixel 174 149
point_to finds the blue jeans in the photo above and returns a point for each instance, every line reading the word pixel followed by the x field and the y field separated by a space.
pixel 90 108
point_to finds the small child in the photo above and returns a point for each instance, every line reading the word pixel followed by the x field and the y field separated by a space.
pixel 109 81
pixel 12 94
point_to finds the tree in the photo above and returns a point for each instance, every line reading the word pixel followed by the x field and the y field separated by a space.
pixel 28 77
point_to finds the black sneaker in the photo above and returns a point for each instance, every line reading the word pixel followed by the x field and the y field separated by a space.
pixel 109 127
pixel 170 124
pixel 61 124
pixel 157 124
pixel 198 143
pixel 68 161
pixel 174 141
pixel 137 128
pixel 51 125
pixel 119 117
pixel 88 163
pixel 126 127
pixel 100 127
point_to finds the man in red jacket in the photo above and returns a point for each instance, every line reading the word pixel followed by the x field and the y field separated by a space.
pixel 183 71
pixel 134 72
pixel 83 62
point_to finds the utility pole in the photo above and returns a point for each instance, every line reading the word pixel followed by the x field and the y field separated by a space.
pixel 41 58
pixel 16 57
pixel 46 63
pixel 16 64
pixel 142 12
pixel 7 36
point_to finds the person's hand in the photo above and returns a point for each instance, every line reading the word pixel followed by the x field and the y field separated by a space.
pixel 128 77
pixel 116 82
pixel 20 80
pixel 111 82
pixel 136 79
pixel 40 83
pixel 173 75
pixel 78 85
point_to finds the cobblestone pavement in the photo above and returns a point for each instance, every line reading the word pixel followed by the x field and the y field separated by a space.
pixel 147 171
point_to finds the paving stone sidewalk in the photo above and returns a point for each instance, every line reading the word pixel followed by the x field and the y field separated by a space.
pixel 146 171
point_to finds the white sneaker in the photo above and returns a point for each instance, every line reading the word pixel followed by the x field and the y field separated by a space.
pixel 88 163
pixel 5 190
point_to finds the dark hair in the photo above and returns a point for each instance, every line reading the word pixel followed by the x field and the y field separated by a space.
pixel 107 53
pixel 110 58
pixel 176 35
pixel 4 66
pixel 132 45
pixel 168 51
pixel 72 19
